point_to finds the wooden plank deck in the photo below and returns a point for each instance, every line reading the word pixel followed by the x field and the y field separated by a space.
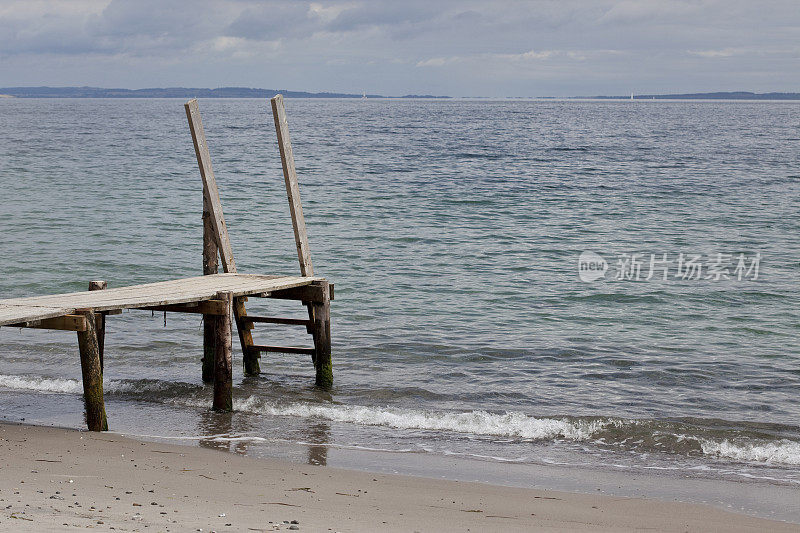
pixel 178 291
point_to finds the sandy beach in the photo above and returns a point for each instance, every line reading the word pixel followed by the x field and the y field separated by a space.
pixel 56 479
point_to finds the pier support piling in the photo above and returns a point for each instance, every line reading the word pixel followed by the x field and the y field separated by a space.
pixel 92 373
pixel 101 320
pixel 322 337
pixel 209 267
pixel 223 368
pixel 249 356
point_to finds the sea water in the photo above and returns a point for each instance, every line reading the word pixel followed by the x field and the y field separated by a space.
pixel 604 285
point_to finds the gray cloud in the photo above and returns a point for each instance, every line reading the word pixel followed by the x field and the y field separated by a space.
pixel 397 18
pixel 468 47
pixel 274 20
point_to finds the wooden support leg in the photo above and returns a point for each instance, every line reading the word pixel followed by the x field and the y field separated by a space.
pixel 92 373
pixel 209 348
pixel 249 356
pixel 322 338
pixel 209 267
pixel 101 320
pixel 223 369
pixel 312 329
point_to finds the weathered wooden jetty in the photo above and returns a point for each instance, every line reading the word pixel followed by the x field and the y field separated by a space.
pixel 217 296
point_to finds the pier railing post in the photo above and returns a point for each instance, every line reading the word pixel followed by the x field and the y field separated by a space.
pixel 321 314
pixel 92 373
pixel 101 320
pixel 292 186
pixel 318 313
pixel 219 233
pixel 210 261
pixel 223 369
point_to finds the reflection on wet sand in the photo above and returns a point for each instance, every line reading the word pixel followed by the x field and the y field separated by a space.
pixel 318 435
pixel 215 424
pixel 220 430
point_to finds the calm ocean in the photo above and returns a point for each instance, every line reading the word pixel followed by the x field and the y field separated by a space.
pixel 453 231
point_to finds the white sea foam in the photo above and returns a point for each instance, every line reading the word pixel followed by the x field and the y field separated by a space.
pixel 479 423
pixel 40 384
pixel 512 424
pixel 783 452
pixel 71 386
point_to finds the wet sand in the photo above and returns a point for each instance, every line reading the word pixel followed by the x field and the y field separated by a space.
pixel 53 479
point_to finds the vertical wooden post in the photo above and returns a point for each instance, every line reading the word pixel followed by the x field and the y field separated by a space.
pixel 211 202
pixel 249 356
pixel 292 187
pixel 92 373
pixel 101 320
pixel 209 267
pixel 223 369
pixel 210 191
pixel 321 314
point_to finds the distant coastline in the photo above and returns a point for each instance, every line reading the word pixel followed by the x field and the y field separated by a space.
pixel 248 92
pixel 731 95
pixel 180 92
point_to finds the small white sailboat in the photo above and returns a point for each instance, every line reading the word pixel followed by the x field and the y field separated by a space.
pixel 364 95
pixel 631 96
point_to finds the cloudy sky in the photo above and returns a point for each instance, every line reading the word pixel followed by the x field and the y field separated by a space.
pixel 458 48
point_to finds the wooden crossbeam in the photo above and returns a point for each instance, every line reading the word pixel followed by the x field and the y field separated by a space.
pixel 282 349
pixel 305 293
pixel 206 307
pixel 276 320
pixel 64 323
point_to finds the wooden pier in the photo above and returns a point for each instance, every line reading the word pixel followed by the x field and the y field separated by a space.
pixel 217 296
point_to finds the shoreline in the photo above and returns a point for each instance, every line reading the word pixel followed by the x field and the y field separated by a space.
pixel 756 497
pixel 56 476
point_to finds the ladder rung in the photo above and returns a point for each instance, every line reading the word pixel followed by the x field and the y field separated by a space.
pixel 281 349
pixel 275 320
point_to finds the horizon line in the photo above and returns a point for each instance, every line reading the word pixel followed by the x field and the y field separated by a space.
pixel 87 91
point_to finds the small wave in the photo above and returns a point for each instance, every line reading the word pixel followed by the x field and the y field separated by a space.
pixel 476 155
pixel 569 148
pixel 74 386
pixel 41 384
pixel 643 435
pixel 512 424
pixel 785 452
